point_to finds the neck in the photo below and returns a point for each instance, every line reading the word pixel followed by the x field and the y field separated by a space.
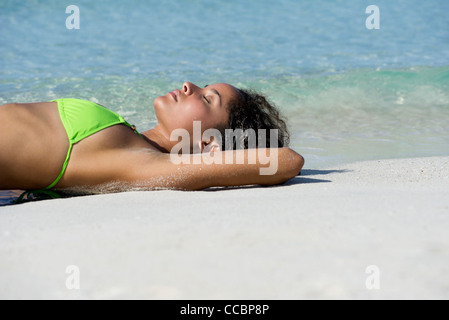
pixel 158 139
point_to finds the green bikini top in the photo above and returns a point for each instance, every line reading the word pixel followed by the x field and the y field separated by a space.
pixel 81 118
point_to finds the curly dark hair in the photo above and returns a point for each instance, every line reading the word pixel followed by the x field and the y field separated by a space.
pixel 252 110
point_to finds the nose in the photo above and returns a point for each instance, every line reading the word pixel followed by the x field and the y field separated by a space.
pixel 188 88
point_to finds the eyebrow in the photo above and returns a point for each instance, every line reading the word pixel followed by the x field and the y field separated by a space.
pixel 215 91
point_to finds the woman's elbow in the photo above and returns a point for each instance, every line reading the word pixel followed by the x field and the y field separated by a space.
pixel 299 163
pixel 294 163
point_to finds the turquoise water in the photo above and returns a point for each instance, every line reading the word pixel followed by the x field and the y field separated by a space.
pixel 349 93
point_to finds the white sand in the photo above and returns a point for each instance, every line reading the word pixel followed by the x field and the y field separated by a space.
pixel 313 237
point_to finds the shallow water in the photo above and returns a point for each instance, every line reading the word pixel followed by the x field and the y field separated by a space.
pixel 349 93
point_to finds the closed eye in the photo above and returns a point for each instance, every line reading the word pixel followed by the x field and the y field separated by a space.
pixel 204 97
pixel 215 92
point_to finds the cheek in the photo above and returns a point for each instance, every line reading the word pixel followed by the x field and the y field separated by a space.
pixel 193 112
pixel 209 118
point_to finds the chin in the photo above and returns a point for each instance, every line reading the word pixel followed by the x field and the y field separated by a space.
pixel 160 106
pixel 157 102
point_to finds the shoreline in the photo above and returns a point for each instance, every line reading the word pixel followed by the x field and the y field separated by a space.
pixel 313 237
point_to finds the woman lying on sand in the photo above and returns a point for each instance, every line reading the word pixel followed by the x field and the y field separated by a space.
pixel 69 143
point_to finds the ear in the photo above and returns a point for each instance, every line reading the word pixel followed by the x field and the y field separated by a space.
pixel 209 146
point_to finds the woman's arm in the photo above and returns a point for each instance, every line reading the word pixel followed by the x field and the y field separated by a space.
pixel 224 168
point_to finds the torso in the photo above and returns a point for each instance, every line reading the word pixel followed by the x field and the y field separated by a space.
pixel 34 144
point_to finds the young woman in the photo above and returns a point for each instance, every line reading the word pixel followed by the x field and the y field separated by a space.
pixel 69 143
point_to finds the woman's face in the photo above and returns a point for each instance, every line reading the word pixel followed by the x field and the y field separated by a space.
pixel 179 108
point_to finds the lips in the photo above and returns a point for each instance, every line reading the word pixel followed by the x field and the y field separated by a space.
pixel 174 94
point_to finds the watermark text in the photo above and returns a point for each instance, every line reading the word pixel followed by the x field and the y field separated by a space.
pixel 373 20
pixel 235 139
pixel 73 20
